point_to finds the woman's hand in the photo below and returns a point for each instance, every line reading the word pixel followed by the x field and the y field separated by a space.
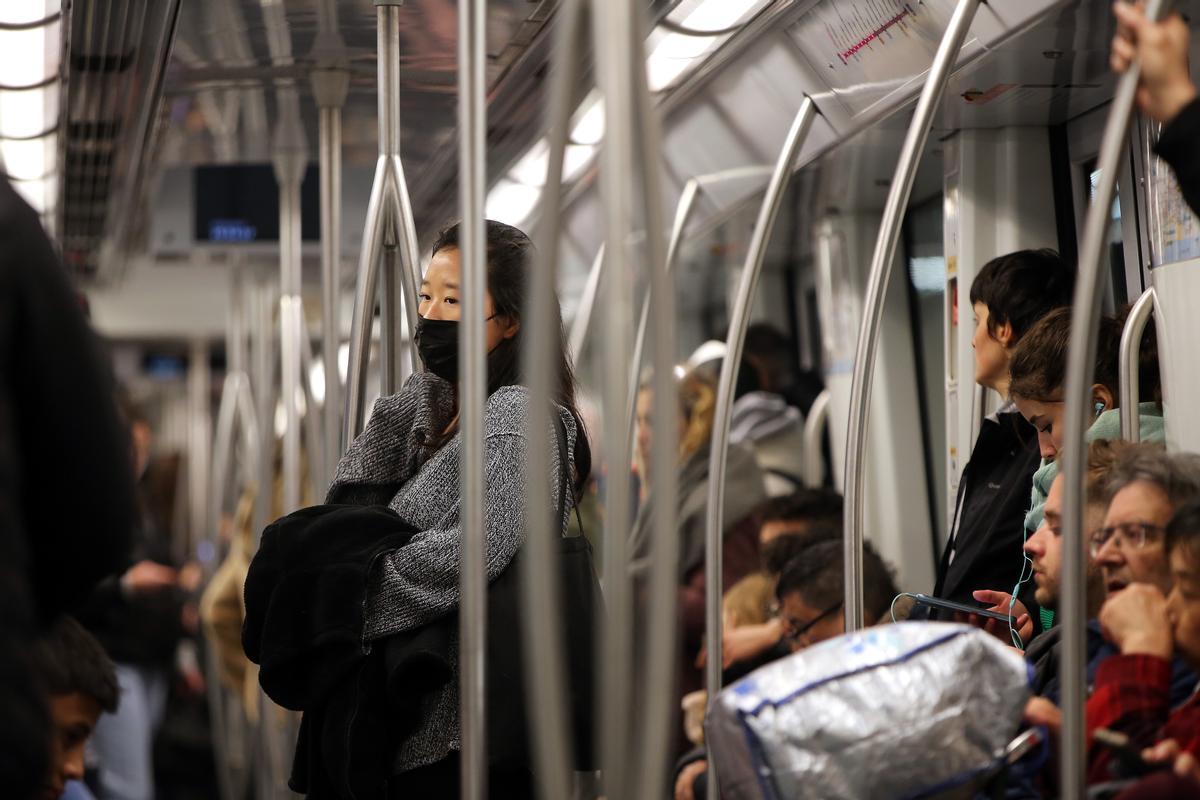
pixel 1168 752
pixel 685 783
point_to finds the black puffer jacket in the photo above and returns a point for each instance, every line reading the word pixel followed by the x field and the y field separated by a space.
pixel 1177 146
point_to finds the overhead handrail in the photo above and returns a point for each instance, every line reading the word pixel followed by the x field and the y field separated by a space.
pixel 545 677
pixel 472 391
pixel 1131 345
pixel 872 314
pixel 739 321
pixel 389 216
pixel 1081 365
pixel 815 426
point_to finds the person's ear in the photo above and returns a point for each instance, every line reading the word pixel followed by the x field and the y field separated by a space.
pixel 1102 398
pixel 1004 335
pixel 510 327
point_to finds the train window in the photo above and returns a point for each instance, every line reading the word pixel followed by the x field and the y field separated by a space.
pixel 1116 241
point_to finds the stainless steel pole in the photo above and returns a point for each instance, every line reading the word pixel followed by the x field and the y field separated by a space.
pixel 814 436
pixel 662 629
pixel 545 674
pixel 472 188
pixel 389 213
pixel 1081 364
pixel 872 314
pixel 612 35
pixel 739 320
pixel 262 379
pixel 1131 345
pixel 390 335
pixel 330 87
pixel 289 172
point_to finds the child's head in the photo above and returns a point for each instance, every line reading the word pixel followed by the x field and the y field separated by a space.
pixel 79 682
pixel 749 601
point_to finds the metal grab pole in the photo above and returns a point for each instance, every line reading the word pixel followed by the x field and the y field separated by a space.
pixel 389 218
pixel 330 87
pixel 289 172
pixel 881 270
pixel 472 351
pixel 612 37
pixel 1131 345
pixel 1081 364
pixel 583 314
pixel 743 303
pixel 814 436
pixel 545 673
pixel 662 629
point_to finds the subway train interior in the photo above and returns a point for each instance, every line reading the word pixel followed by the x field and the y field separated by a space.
pixel 820 423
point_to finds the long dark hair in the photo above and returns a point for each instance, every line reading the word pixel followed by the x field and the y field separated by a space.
pixel 509 256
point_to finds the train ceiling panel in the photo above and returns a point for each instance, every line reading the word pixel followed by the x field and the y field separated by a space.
pixel 111 82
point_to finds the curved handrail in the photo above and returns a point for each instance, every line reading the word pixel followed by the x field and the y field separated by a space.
pixel 1081 364
pixel 740 319
pixel 814 436
pixel 389 211
pixel 881 268
pixel 1131 345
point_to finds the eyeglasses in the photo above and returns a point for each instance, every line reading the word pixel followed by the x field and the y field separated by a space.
pixel 1135 533
pixel 795 631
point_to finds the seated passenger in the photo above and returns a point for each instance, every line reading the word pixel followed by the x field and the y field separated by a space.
pixel 80 682
pixel 1133 690
pixel 765 422
pixel 798 512
pixel 1009 295
pixel 744 491
pixel 810 592
pixel 1146 486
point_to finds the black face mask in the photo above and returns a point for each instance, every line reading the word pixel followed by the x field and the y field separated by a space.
pixel 437 343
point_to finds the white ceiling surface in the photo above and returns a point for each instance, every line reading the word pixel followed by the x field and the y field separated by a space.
pixel 739 118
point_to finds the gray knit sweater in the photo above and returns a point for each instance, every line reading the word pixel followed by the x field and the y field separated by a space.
pixel 419 582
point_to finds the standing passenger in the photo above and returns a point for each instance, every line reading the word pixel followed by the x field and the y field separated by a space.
pixel 1009 295
pixel 409 458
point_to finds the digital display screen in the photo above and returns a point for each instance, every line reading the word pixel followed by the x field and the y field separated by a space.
pixel 239 203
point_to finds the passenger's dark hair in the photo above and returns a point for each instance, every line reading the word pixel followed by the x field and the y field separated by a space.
pixel 777 553
pixel 1022 287
pixel 811 505
pixel 509 256
pixel 69 660
pixel 817 574
pixel 1039 364
pixel 767 345
pixel 1183 531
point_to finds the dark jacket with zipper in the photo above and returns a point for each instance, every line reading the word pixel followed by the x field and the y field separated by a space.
pixel 1177 146
pixel 984 549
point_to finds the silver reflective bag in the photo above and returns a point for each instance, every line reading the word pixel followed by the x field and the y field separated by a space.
pixel 916 709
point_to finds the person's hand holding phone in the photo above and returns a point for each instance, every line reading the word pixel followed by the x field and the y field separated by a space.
pixel 998 602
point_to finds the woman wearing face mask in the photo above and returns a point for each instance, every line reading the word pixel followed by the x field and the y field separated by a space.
pixel 411 448
pixel 1039 369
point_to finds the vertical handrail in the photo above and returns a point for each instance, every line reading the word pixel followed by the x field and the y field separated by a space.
pixel 1131 345
pixel 472 173
pixel 662 628
pixel 290 161
pixel 1081 364
pixel 739 321
pixel 545 673
pixel 814 437
pixel 612 41
pixel 330 87
pixel 389 219
pixel 872 314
